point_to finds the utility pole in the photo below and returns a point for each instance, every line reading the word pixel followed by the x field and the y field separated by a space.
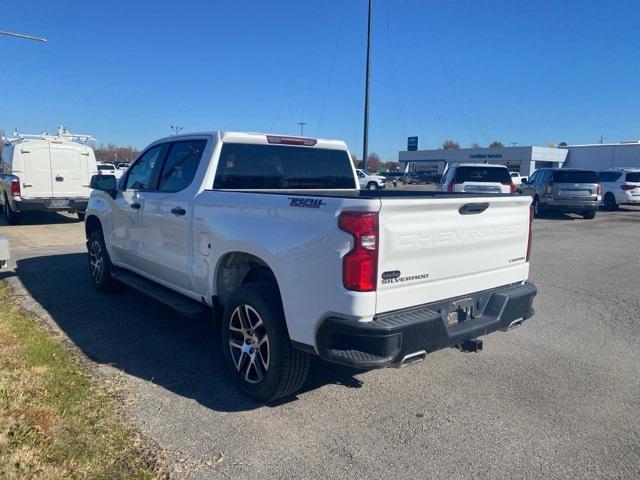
pixel 365 141
pixel 302 124
pixel 22 35
pixel 514 143
pixel 176 129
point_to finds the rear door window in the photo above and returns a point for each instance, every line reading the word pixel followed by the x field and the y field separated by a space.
pixel 633 177
pixel 181 164
pixel 282 167
pixel 575 176
pixel 482 174
pixel 609 176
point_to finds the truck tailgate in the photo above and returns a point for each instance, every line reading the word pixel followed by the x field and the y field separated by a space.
pixel 449 246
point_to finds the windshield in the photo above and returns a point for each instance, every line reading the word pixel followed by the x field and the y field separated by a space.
pixel 482 174
pixel 102 168
pixel 252 166
pixel 575 176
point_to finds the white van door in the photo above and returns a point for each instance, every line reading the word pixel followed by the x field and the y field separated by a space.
pixel 36 169
pixel 68 172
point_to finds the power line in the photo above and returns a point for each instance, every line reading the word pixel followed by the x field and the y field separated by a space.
pixel 22 35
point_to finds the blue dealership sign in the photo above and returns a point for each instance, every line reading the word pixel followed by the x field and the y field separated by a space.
pixel 412 144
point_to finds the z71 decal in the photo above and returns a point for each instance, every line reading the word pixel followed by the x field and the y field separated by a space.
pixel 306 202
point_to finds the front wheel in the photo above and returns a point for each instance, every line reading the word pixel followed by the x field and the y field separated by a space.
pixel 589 214
pixel 372 186
pixel 257 347
pixel 99 263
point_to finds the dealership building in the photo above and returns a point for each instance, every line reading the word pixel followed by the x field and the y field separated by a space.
pixel 527 159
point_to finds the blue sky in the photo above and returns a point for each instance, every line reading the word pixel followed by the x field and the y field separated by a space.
pixel 473 71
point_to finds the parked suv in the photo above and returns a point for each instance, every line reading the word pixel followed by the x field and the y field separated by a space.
pixel 567 190
pixel 477 178
pixel 620 186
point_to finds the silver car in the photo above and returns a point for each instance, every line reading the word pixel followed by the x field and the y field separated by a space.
pixel 567 190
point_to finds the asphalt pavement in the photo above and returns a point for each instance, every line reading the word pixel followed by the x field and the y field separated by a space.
pixel 556 398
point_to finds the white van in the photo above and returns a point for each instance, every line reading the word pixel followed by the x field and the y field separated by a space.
pixel 45 173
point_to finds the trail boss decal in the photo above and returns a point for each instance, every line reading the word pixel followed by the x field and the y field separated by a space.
pixel 306 202
pixel 394 277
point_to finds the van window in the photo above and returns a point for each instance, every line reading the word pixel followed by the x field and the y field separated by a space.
pixel 574 176
pixel 633 177
pixel 282 167
pixel 482 174
pixel 609 176
pixel 5 164
pixel 106 168
pixel 140 175
pixel 181 164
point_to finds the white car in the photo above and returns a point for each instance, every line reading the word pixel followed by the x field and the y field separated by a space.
pixel 369 181
pixel 274 235
pixel 516 178
pixel 620 186
pixel 109 169
pixel 45 173
pixel 477 178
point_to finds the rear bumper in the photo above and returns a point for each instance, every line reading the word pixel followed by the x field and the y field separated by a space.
pixel 392 336
pixel 572 205
pixel 47 205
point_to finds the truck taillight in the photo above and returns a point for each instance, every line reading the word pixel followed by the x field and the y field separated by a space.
pixel 360 265
pixel 15 187
pixel 599 189
pixel 512 187
pixel 451 186
pixel 530 232
pixel 626 187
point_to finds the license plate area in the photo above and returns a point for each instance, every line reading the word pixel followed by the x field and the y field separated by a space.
pixel 58 203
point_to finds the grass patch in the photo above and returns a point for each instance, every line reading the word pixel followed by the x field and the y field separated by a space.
pixel 55 420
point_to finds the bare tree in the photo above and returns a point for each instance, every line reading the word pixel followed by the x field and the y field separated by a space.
pixel 373 162
pixel 475 145
pixel 115 154
pixel 450 145
pixel 496 144
pixel 355 161
pixel 391 166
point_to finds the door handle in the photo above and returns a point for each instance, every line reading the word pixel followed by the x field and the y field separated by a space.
pixel 179 211
pixel 135 206
pixel 473 208
pixel 59 179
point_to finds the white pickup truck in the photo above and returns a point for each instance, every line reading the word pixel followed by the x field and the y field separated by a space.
pixel 273 234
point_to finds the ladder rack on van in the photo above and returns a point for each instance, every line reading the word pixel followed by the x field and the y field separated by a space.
pixel 63 134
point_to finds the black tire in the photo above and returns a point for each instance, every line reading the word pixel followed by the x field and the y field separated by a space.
pixel 99 263
pixel 13 217
pixel 372 186
pixel 610 202
pixel 81 216
pixel 244 331
pixel 538 210
pixel 589 214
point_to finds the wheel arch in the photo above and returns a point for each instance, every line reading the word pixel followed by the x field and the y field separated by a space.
pixel 91 224
pixel 237 268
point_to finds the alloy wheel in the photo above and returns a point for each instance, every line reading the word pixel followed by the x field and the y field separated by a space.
pixel 96 262
pixel 249 343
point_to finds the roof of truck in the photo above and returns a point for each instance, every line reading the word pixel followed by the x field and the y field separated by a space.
pixel 257 138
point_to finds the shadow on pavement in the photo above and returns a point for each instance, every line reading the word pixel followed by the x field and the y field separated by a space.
pixel 143 338
pixel 41 218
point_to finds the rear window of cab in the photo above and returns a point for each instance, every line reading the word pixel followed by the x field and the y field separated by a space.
pixel 482 174
pixel 633 177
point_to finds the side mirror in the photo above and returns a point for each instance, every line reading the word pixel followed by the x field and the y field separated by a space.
pixel 105 183
pixel 524 181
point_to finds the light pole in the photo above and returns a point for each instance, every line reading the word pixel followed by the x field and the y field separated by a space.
pixel 302 124
pixel 365 140
pixel 176 129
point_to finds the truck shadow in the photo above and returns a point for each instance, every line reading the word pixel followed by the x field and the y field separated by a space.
pixel 42 218
pixel 134 334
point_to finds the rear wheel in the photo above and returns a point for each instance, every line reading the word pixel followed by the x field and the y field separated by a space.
pixel 13 217
pixel 610 202
pixel 257 347
pixel 589 214
pixel 99 263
